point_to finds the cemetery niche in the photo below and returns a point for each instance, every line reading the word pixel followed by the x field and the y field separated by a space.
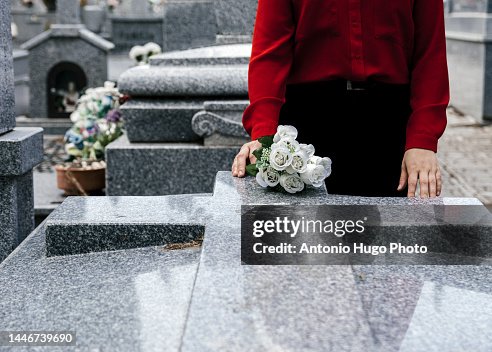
pixel 63 61
pixel 66 83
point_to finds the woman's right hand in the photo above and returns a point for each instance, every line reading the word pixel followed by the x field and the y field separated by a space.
pixel 240 161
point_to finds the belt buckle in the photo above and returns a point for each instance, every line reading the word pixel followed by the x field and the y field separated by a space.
pixel 350 86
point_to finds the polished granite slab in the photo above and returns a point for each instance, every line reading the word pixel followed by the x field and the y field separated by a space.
pixel 152 299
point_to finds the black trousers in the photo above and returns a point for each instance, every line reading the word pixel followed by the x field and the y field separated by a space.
pixel 362 130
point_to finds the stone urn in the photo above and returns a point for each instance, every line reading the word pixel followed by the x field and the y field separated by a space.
pixel 93 16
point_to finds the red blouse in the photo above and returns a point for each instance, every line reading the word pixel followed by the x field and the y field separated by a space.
pixel 392 41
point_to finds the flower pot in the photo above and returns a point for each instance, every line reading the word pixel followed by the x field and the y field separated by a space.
pixel 80 180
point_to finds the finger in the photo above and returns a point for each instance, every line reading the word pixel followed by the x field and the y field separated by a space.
pixel 432 184
pixel 412 184
pixel 241 161
pixel 439 182
pixel 403 178
pixel 252 159
pixel 424 183
pixel 234 167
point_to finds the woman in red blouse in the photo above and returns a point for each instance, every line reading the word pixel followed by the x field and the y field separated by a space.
pixel 366 82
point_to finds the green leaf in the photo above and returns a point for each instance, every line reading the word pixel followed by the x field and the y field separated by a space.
pixel 266 141
pixel 257 153
pixel 251 169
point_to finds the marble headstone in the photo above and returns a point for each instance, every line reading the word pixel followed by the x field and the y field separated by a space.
pixel 7 101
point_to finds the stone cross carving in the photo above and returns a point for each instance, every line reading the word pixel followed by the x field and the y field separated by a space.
pixel 68 12
pixel 7 100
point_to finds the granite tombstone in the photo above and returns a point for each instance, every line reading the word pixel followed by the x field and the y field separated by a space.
pixel 20 150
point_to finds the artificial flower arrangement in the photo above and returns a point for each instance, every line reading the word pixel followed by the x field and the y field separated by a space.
pixel 141 54
pixel 96 123
pixel 282 162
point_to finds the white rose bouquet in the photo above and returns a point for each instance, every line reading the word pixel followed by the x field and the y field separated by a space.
pixel 284 162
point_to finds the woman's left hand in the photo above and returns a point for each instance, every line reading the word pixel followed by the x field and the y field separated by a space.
pixel 421 165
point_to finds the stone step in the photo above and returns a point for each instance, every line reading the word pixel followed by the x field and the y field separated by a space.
pixel 97 224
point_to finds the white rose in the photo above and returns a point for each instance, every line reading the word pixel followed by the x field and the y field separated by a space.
pixel 292 183
pixel 308 149
pixel 288 143
pixel 325 162
pixel 268 177
pixel 314 175
pixel 299 162
pixel 280 157
pixel 285 132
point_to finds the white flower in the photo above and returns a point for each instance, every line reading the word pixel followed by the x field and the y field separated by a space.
pixel 314 175
pixel 292 183
pixel 299 162
pixel 152 49
pixel 109 85
pixel 325 162
pixel 75 116
pixel 138 53
pixel 308 149
pixel 280 157
pixel 289 143
pixel 285 132
pixel 268 177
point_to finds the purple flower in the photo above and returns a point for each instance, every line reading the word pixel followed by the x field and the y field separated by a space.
pixel 113 116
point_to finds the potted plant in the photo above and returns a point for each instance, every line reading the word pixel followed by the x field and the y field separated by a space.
pixel 97 122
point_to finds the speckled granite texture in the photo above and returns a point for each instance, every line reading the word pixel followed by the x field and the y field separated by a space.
pixel 165 120
pixel 235 17
pixel 188 24
pixel 16 211
pixel 150 169
pixel 188 81
pixel 20 150
pixel 68 12
pixel 7 100
pixel 152 300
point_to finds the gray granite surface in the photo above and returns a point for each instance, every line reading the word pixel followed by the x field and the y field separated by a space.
pixel 149 299
pixel 189 81
pixel 109 224
pixel 150 169
pixel 235 18
pixel 220 123
pixel 68 11
pixel 188 24
pixel 163 120
pixel 236 54
pixel 7 101
pixel 16 211
pixel 20 150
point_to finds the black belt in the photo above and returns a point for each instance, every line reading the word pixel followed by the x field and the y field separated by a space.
pixel 348 85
